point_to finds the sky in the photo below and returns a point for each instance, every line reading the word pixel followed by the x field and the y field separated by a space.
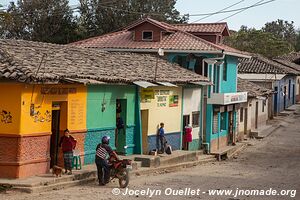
pixel 254 17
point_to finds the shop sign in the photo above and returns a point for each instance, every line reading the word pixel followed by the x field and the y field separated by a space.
pixel 58 90
pixel 173 100
pixel 235 97
pixel 147 95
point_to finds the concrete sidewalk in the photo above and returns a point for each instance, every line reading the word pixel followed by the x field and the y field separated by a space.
pixel 166 163
pixel 154 165
pixel 48 182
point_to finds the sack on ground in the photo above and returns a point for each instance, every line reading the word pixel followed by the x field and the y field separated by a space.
pixel 168 149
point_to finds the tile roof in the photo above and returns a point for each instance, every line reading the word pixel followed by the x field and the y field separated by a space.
pixel 177 40
pixel 203 27
pixel 261 65
pixel 20 61
pixel 253 89
pixel 123 40
pixel 163 25
pixel 291 60
pixel 291 57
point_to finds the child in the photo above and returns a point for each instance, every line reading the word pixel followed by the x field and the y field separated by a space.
pixel 160 138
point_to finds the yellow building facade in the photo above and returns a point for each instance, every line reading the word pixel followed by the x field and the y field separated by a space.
pixel 33 118
pixel 161 105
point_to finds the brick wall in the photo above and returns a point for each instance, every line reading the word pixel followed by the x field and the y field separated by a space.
pixel 24 156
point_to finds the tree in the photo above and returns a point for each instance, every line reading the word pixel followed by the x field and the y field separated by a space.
pixel 282 29
pixel 101 16
pixel 41 20
pixel 297 47
pixel 12 24
pixel 258 41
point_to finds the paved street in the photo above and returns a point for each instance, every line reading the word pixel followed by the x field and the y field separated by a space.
pixel 271 163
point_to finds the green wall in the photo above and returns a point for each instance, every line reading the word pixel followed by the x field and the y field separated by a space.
pixel 108 94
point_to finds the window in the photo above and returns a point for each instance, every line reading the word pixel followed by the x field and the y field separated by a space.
pixel 199 68
pixel 223 121
pixel 263 105
pixel 242 115
pixel 215 123
pixel 147 35
pixel 196 119
pixel 225 71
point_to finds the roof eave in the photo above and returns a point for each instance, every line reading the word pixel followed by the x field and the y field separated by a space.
pixel 156 50
pixel 237 55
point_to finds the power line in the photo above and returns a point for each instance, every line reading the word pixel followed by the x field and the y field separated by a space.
pixel 261 2
pixel 76 8
pixel 229 11
pixel 218 11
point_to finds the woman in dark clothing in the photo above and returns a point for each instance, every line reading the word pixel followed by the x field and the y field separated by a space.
pixel 68 143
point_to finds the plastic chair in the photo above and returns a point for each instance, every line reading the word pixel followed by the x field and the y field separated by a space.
pixel 76 163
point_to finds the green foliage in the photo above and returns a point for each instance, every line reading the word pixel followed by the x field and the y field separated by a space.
pixel 297 46
pixel 99 16
pixel 282 29
pixel 40 20
pixel 258 41
pixel 274 39
pixel 53 20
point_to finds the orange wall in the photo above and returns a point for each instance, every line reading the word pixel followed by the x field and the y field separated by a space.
pixel 74 104
pixel 16 99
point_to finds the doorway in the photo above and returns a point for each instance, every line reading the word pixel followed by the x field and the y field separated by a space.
pixel 276 100
pixel 186 122
pixel 230 129
pixel 293 93
pixel 121 124
pixel 256 115
pixel 284 98
pixel 55 127
pixel 145 123
pixel 245 123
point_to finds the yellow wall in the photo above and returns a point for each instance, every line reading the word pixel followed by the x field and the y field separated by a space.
pixel 74 104
pixel 161 111
pixel 10 103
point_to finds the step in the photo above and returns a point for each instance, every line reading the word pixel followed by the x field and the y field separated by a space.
pixel 148 161
pixel 136 165
pixel 187 157
pixel 56 186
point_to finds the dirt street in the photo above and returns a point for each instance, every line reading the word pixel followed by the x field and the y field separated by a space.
pixel 270 164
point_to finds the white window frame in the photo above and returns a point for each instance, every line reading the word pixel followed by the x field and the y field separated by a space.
pixel 143 35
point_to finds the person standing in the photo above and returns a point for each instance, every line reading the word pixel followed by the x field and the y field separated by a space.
pixel 68 144
pixel 188 137
pixel 103 153
pixel 160 138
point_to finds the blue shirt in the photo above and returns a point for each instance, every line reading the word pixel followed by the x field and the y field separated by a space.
pixel 161 132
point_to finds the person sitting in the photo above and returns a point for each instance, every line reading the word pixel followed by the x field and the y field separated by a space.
pixel 103 153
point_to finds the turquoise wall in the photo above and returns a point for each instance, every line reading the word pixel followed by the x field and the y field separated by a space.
pixel 100 123
pixel 230 85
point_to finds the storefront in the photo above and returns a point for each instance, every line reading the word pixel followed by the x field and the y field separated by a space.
pixel 32 121
pixel 222 119
pixel 161 105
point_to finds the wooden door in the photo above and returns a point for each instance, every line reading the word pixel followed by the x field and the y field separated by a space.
pixel 145 121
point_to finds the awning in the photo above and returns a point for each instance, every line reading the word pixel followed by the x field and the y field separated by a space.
pixel 202 83
pixel 144 84
pixel 167 84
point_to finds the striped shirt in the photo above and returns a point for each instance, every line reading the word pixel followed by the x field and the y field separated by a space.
pixel 103 151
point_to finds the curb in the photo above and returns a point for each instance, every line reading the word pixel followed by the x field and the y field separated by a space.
pixel 173 168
